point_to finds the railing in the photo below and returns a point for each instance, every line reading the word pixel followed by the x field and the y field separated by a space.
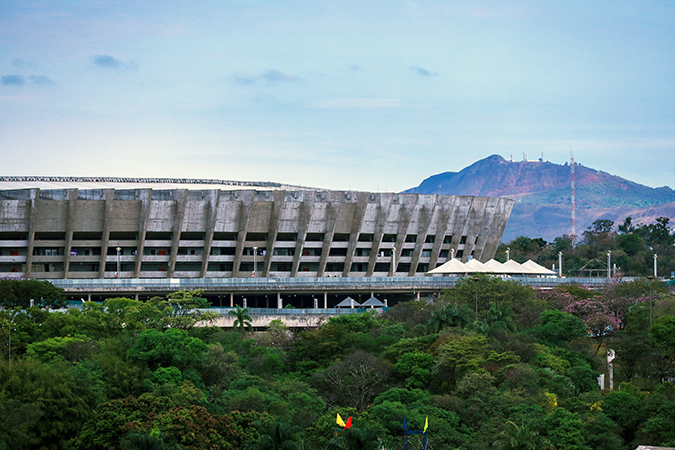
pixel 298 284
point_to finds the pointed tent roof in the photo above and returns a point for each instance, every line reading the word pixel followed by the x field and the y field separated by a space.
pixel 513 267
pixel 372 302
pixel 495 266
pixel 475 266
pixel 536 268
pixel 347 303
pixel 452 266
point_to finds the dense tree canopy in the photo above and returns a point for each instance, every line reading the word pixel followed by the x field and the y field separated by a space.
pixel 490 363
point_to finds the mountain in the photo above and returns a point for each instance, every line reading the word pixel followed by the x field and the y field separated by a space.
pixel 542 192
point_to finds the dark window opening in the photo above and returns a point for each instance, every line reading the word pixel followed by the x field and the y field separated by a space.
pixel 411 238
pixel 430 239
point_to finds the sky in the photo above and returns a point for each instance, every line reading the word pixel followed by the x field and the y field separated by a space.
pixel 359 95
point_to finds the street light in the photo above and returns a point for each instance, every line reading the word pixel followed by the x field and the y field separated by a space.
pixel 559 264
pixel 393 260
pixel 655 270
pixel 117 274
pixel 609 264
pixel 508 253
pixel 255 260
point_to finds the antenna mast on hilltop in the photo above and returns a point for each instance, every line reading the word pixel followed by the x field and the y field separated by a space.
pixel 574 198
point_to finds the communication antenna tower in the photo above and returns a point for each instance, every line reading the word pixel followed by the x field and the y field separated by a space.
pixel 574 198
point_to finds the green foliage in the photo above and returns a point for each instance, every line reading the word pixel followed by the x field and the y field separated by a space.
pixel 20 293
pixel 559 328
pixel 173 347
pixel 415 368
pixel 48 400
pixel 242 319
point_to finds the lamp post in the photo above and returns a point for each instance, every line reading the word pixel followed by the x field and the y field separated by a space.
pixel 117 274
pixel 508 253
pixel 559 264
pixel 609 264
pixel 452 253
pixel 655 268
pixel 255 260
pixel 393 260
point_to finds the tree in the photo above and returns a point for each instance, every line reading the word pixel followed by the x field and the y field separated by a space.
pixel 183 309
pixel 520 437
pixel 353 382
pixel 277 436
pixel 242 319
pixel 45 391
pixel 153 440
pixel 172 347
pixel 449 315
pixel 21 292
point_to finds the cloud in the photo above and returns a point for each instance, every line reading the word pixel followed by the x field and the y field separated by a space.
pixel 108 62
pixel 273 75
pixel 270 76
pixel 356 103
pixel 422 71
pixel 41 79
pixel 243 79
pixel 13 80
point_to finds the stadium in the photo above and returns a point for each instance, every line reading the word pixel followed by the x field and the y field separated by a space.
pixel 161 228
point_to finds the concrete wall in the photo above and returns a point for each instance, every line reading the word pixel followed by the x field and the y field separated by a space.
pixel 180 233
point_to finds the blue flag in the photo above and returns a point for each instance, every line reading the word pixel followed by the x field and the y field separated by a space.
pixel 405 421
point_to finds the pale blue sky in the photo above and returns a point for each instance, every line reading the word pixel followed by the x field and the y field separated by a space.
pixel 367 95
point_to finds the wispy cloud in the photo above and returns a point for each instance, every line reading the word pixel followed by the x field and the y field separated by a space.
pixel 20 80
pixel 109 62
pixel 421 71
pixel 13 80
pixel 275 76
pixel 41 79
pixel 269 76
pixel 356 103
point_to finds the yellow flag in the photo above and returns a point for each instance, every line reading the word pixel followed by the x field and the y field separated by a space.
pixel 426 424
pixel 339 421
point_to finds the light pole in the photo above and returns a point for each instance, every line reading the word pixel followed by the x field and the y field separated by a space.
pixel 508 253
pixel 117 274
pixel 255 260
pixel 559 264
pixel 609 264
pixel 655 269
pixel 452 253
pixel 393 260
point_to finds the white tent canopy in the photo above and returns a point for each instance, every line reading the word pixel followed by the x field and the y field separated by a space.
pixel 348 303
pixel 373 302
pixel 453 266
pixel 511 267
pixel 538 268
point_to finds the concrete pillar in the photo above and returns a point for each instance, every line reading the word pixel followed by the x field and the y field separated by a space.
pixel 332 213
pixel 357 222
pixel 383 207
pixel 280 303
pixel 214 203
pixel 179 216
pixel 70 226
pixel 426 215
pixel 146 198
pixel 136 296
pixel 325 300
pixel 278 206
pixel 105 235
pixel 34 196
pixel 231 300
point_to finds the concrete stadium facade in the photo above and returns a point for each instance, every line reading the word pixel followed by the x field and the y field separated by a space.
pixel 74 228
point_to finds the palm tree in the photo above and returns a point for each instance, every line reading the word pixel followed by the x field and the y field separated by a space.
pixel 359 439
pixel 277 436
pixel 242 320
pixel 499 318
pixel 450 315
pixel 520 437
